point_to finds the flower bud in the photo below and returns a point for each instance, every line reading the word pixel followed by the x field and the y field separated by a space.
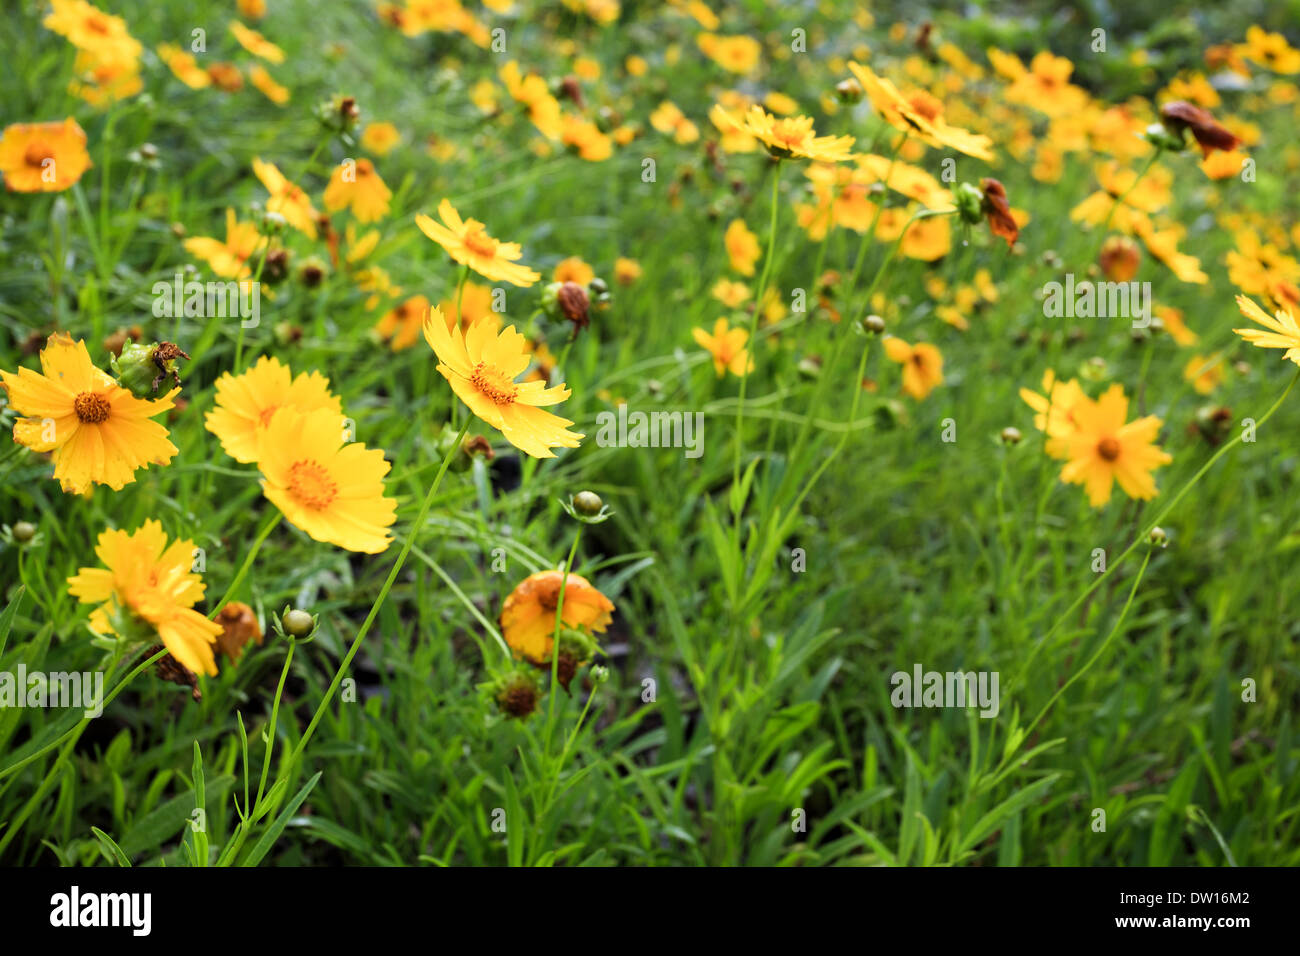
pixel 1158 538
pixel 298 623
pixel 1010 436
pixel 969 202
pixel 140 369
pixel 874 324
pixel 848 91
pixel 23 531
pixel 587 503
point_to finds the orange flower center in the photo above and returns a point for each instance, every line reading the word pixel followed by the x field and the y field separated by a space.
pixel 97 24
pixel 1108 448
pixel 788 134
pixel 925 105
pixel 311 485
pixel 492 383
pixel 266 415
pixel 91 409
pixel 37 154
pixel 479 242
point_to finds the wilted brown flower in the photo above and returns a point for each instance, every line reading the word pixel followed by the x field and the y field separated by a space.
pixel 998 211
pixel 1180 115
pixel 238 627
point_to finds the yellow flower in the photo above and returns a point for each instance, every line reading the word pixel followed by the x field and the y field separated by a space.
pixel 228 258
pixel 1282 331
pixel 1163 244
pixel 667 118
pixel 328 487
pixel 729 293
pixel 43 157
pixel 380 138
pixel 468 243
pixel 742 247
pixel 528 615
pixel 1175 326
pixel 727 346
pixel 100 82
pixel 273 91
pixel 919 115
pixel 255 43
pixel 359 186
pixel 922 365
pixel 1102 449
pixel 791 137
pixel 155 583
pixel 739 54
pixel 1054 412
pixel 184 66
pixel 585 138
pixel 1205 374
pixel 532 92
pixel 88 28
pixel 97 431
pixel 1045 85
pixel 286 199
pixel 482 365
pixel 1270 50
pixel 573 269
pixel 401 325
pixel 245 404
pixel 626 271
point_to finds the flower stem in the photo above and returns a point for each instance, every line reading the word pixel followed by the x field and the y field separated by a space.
pixel 248 563
pixel 379 602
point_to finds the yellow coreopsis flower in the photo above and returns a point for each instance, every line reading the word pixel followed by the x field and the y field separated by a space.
pixel 919 114
pixel 468 243
pixel 184 66
pixel 1204 373
pixel 88 28
pixel 145 578
pixel 228 258
pixel 573 269
pixel 329 487
pixel 626 271
pixel 922 365
pixel 286 200
pixel 255 43
pixel 791 137
pixel 481 365
pixel 43 157
pixel 1279 332
pixel 1054 411
pixel 245 404
pixel 400 326
pixel 1103 449
pixel 727 346
pixel 738 54
pixel 273 91
pixel 528 615
pixel 97 432
pixel 357 185
pixel 380 138
pixel 742 247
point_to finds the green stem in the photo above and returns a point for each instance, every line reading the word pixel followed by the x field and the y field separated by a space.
pixel 1164 512
pixel 248 563
pixel 379 603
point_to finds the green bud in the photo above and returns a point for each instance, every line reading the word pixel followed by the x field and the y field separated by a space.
pixel 23 531
pixel 587 503
pixel 140 369
pixel 970 202
pixel 298 623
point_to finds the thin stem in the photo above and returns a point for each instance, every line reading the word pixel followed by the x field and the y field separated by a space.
pixel 379 602
pixel 248 563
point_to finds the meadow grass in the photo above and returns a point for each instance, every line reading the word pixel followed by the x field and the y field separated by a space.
pixel 770 738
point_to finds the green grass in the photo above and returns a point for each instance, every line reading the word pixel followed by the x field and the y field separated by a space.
pixel 771 686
